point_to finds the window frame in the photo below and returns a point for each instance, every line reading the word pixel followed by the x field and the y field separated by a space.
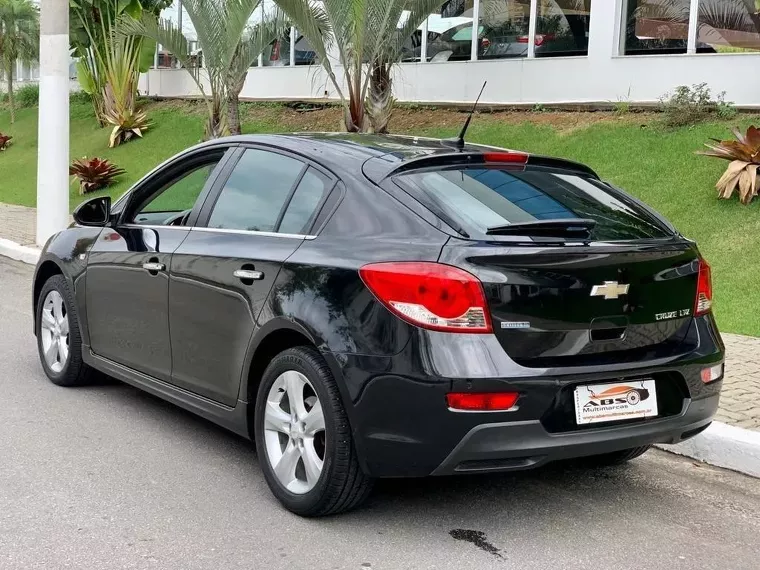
pixel 221 181
pixel 156 182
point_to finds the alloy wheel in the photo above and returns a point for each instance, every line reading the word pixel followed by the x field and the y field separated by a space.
pixel 294 432
pixel 54 330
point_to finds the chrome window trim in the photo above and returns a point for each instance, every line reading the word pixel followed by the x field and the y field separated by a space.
pixel 254 233
pixel 221 231
pixel 153 227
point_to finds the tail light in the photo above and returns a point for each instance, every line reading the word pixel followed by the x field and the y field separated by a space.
pixel 275 51
pixel 703 303
pixel 540 39
pixel 430 295
pixel 487 402
pixel 486 43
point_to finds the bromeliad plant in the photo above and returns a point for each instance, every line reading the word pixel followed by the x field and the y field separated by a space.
pixel 744 154
pixel 5 141
pixel 94 173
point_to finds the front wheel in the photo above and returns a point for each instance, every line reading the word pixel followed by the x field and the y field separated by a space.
pixel 304 439
pixel 59 341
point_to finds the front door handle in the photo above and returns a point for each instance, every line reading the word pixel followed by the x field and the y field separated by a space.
pixel 248 275
pixel 154 266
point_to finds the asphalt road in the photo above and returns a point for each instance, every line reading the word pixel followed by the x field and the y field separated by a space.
pixel 107 477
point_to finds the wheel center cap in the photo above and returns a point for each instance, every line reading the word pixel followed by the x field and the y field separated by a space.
pixel 296 431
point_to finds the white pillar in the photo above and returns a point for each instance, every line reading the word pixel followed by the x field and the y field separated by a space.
pixel 423 47
pixel 53 139
pixel 532 25
pixel 606 29
pixel 475 30
pixel 693 26
pixel 292 46
pixel 261 56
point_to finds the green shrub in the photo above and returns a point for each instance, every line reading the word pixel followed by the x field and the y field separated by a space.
pixel 725 109
pixel 692 105
pixel 80 98
pixel 27 95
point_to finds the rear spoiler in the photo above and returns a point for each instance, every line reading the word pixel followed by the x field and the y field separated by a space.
pixel 379 168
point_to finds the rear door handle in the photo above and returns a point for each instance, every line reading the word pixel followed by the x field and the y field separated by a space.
pixel 154 266
pixel 248 274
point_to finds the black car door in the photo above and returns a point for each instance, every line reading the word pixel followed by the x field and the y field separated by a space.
pixel 222 273
pixel 127 283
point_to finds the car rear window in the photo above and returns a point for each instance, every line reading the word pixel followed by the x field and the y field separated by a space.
pixel 482 198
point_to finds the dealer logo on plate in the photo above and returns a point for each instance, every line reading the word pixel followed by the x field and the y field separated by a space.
pixel 614 402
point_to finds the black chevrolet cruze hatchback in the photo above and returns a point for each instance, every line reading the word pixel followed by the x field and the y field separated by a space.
pixel 375 306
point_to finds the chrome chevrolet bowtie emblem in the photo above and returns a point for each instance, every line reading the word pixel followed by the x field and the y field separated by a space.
pixel 610 290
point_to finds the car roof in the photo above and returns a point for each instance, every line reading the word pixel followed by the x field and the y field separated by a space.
pixel 378 156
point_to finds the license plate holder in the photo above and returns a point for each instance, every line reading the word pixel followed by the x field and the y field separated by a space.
pixel 615 401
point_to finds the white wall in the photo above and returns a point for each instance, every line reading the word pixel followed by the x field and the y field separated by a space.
pixel 640 79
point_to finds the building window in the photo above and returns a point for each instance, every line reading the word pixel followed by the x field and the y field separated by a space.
pixel 449 33
pixel 728 26
pixel 505 26
pixel 562 27
pixel 656 26
pixel 503 30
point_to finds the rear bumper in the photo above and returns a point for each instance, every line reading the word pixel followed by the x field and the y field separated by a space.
pixel 512 446
pixel 403 428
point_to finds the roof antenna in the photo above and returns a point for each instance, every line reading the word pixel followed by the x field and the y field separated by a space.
pixel 459 141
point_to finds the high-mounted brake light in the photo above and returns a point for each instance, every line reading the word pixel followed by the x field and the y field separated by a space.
pixel 484 402
pixel 511 157
pixel 703 303
pixel 430 295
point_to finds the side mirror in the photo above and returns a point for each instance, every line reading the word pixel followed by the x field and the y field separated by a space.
pixel 94 212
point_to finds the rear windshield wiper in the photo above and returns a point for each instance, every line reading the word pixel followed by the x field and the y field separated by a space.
pixel 571 227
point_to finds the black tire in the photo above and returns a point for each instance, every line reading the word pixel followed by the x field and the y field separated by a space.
pixel 618 457
pixel 75 372
pixel 342 484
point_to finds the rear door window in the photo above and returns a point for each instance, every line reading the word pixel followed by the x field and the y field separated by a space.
pixel 482 198
pixel 256 191
pixel 302 209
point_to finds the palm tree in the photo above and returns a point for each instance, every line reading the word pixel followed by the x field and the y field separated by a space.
pixel 109 63
pixel 19 39
pixel 229 47
pixel 368 41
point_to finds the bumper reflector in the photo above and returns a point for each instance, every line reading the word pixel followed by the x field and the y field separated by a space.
pixel 483 402
pixel 712 374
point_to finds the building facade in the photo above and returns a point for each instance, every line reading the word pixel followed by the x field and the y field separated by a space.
pixel 530 52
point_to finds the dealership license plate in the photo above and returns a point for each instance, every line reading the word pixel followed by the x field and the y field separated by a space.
pixel 615 402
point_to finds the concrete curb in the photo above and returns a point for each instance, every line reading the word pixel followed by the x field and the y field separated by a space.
pixel 19 252
pixel 724 446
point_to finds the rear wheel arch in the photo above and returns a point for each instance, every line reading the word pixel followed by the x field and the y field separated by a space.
pixel 276 336
pixel 48 269
pixel 274 339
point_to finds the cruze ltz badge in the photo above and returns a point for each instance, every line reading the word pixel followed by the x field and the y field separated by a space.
pixel 610 290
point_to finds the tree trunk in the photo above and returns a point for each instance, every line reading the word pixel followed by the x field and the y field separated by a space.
pixel 9 76
pixel 233 113
pixel 379 103
pixel 233 105
pixel 216 125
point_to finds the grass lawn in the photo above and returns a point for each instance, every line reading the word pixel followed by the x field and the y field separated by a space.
pixel 657 165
